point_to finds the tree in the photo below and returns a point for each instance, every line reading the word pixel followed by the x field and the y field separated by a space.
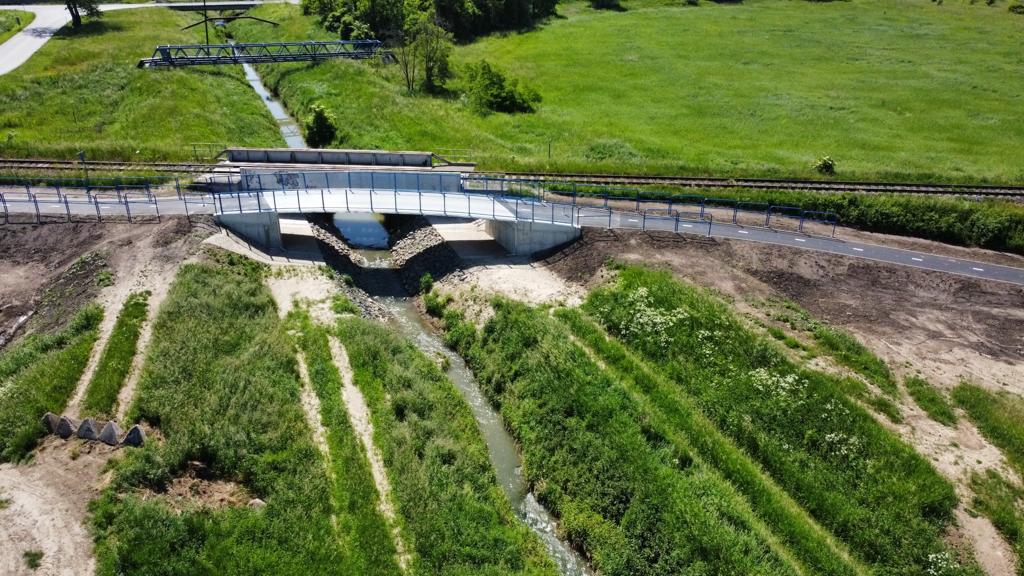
pixel 423 52
pixel 77 7
pixel 321 127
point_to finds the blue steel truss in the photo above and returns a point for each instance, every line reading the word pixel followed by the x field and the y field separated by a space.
pixel 200 54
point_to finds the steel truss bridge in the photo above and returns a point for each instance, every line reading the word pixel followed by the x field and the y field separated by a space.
pixel 264 52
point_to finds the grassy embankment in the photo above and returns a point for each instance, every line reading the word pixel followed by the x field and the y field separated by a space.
pixel 1000 417
pixel 221 382
pixel 628 497
pixel 353 491
pixel 854 477
pixel 454 516
pixel 82 91
pixel 761 88
pixel 12 22
pixel 932 401
pixel 38 375
pixel 116 360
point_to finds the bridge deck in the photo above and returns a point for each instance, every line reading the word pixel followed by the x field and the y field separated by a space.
pixel 256 53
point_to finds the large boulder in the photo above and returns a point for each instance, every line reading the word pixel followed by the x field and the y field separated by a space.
pixel 135 437
pixel 111 434
pixel 89 429
pixel 50 421
pixel 66 427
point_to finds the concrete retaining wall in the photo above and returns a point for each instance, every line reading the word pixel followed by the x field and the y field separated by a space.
pixel 262 228
pixel 525 238
pixel 410 181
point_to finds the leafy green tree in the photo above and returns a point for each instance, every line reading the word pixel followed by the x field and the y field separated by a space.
pixel 423 53
pixel 77 7
pixel 321 128
pixel 489 90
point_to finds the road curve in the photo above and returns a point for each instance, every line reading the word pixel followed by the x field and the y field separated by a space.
pixel 50 18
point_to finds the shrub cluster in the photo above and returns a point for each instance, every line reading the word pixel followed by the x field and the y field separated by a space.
pixel 488 89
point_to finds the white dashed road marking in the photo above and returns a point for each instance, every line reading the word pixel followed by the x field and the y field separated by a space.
pixel 799 239
pixel 859 249
pixel 917 259
pixel 744 232
pixel 978 269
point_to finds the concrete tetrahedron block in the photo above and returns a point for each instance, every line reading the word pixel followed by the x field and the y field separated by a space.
pixel 110 434
pixel 66 427
pixel 50 421
pixel 89 429
pixel 135 437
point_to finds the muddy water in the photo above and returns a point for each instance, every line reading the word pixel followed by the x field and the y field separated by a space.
pixel 505 458
pixel 285 123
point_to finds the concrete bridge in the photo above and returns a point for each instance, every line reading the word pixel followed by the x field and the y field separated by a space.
pixel 523 217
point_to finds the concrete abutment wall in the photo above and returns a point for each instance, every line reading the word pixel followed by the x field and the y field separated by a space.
pixel 262 228
pixel 525 238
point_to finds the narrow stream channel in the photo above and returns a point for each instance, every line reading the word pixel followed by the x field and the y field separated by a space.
pixel 367 230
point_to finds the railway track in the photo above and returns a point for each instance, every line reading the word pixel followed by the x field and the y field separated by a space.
pixel 1016 192
pixel 977 190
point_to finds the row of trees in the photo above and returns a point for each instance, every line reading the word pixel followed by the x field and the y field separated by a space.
pixel 390 20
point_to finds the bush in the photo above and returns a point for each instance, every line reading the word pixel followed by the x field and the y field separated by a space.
pixel 426 283
pixel 321 127
pixel 1017 7
pixel 489 90
pixel 825 165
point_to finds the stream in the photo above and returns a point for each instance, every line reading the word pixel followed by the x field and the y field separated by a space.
pixel 367 230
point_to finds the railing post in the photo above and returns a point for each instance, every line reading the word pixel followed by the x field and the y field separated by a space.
pixel 515 217
pixel 156 206
pixel 7 217
pixel 67 208
pixel 609 218
pixel 35 201
pixel 444 202
pixel 298 200
pixel 676 227
pixel 188 217
pixel 768 217
pixel 643 223
pixel 127 209
pixel 371 193
pixel 533 211
pixel 177 186
pixel 273 197
pixel 638 200
pixel 323 203
pixel 552 213
pixel 219 197
pixel 96 202
pixel 259 203
pixel 347 209
pixel 239 198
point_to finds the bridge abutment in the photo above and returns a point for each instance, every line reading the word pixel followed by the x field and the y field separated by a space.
pixel 525 238
pixel 262 228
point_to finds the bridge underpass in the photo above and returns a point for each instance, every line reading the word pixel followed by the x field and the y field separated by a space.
pixel 526 223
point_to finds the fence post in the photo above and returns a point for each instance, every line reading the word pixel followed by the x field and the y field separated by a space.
pixel 127 209
pixel 735 212
pixel 273 196
pixel 96 202
pixel 494 208
pixel 259 203
pixel 533 212
pixel 371 193
pixel 188 218
pixel 676 227
pixel 156 206
pixel 323 203
pixel 67 208
pixel 609 218
pixel 419 194
pixel 35 201
pixel 643 223
pixel 800 227
pixel 177 186
pixel 515 217
pixel 59 195
pixel 7 218
pixel 298 199
pixel 444 202
pixel 638 200
pixel 573 193
pixel 768 217
pixel 347 209
pixel 552 212
pixel 221 198
pixel 239 198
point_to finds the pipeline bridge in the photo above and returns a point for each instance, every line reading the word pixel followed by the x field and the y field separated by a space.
pixel 524 217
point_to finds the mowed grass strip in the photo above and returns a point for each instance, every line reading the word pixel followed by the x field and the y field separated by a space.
pixel 812 545
pixel 13 21
pixel 857 479
pixel 454 514
pixel 755 88
pixel 117 357
pixel 82 91
pixel 630 501
pixel 999 416
pixel 221 383
pixel 48 369
pixel 353 490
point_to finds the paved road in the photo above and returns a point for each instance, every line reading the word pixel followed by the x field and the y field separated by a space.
pixel 50 18
pixel 140 205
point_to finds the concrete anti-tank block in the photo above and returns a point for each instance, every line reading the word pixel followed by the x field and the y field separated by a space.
pixel 110 434
pixel 50 421
pixel 89 429
pixel 135 437
pixel 66 427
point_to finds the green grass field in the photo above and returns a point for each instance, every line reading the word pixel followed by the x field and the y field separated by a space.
pixel 82 91
pixel 903 89
pixel 39 375
pixel 12 21
pixel 117 357
pixel 221 382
